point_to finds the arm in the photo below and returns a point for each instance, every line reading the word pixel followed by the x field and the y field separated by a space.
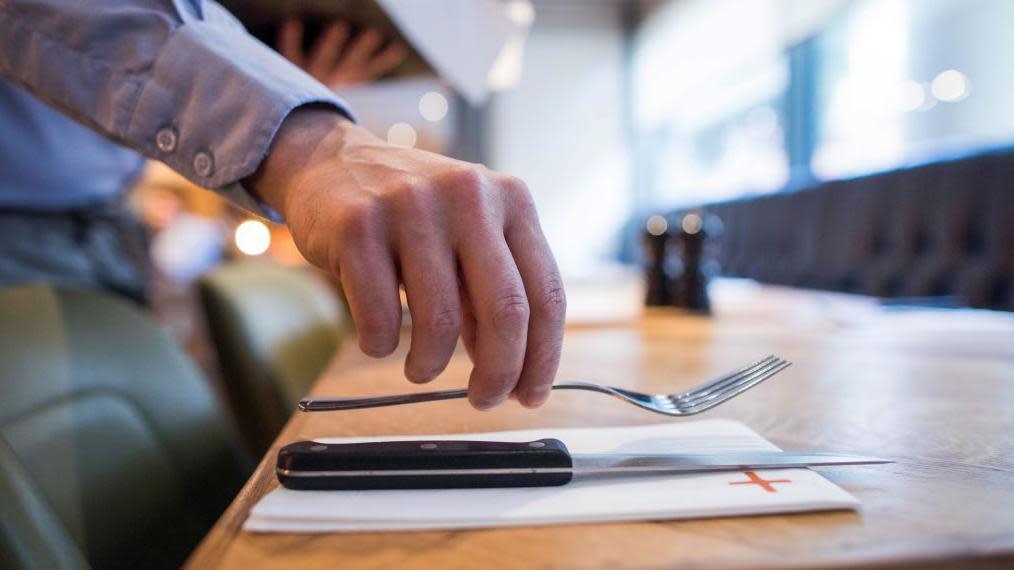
pixel 178 81
pixel 464 240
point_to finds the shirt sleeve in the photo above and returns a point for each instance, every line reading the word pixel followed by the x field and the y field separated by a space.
pixel 179 81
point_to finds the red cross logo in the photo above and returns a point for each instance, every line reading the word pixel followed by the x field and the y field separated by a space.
pixel 765 484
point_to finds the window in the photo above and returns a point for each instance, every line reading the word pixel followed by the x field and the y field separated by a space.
pixel 727 102
pixel 904 81
pixel 739 149
pixel 709 84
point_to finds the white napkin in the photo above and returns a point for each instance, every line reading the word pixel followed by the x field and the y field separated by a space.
pixel 653 497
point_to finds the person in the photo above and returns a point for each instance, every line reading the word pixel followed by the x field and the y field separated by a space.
pixel 182 82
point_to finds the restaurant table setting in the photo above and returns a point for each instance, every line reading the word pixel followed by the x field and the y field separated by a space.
pixel 923 388
pixel 448 481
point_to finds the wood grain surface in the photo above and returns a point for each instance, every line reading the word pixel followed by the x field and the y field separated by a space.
pixel 932 389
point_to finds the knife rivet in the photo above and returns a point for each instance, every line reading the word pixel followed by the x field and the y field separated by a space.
pixel 536 444
pixel 428 446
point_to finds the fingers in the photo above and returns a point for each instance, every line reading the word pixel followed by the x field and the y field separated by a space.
pixel 290 42
pixel 326 50
pixel 369 278
pixel 468 324
pixel 357 56
pixel 501 315
pixel 370 285
pixel 388 58
pixel 546 298
pixel 431 284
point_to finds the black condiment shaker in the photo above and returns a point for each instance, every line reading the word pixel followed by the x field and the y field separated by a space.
pixel 689 288
pixel 656 277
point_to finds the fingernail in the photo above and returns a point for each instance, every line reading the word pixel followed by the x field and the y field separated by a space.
pixel 535 397
pixel 485 402
pixel 416 378
pixel 378 345
pixel 422 376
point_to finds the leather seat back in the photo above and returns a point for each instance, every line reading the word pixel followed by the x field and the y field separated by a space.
pixel 939 229
pixel 112 450
pixel 275 329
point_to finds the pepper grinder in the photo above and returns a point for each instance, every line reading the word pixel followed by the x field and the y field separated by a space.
pixel 689 289
pixel 657 279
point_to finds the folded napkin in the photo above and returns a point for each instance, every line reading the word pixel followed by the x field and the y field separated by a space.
pixel 643 497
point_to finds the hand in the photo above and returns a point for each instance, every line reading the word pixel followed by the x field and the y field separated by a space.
pixel 464 240
pixel 334 60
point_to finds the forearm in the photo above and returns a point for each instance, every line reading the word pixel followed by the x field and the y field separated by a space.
pixel 182 84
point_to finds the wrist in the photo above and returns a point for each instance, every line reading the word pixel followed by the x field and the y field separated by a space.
pixel 302 132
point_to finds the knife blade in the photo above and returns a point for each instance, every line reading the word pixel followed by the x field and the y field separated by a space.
pixel 446 464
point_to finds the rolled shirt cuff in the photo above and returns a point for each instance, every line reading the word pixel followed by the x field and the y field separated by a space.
pixel 213 102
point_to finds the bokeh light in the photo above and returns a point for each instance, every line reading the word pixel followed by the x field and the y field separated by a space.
pixel 692 223
pixel 252 237
pixel 433 106
pixel 950 86
pixel 911 96
pixel 401 134
pixel 657 225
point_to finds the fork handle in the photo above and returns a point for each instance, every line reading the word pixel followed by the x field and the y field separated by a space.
pixel 336 404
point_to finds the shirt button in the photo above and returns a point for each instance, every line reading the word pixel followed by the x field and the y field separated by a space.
pixel 204 164
pixel 165 139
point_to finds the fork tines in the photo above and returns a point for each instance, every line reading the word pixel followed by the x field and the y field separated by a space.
pixel 710 394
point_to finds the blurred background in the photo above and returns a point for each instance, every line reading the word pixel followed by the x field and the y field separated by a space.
pixel 851 145
pixel 698 157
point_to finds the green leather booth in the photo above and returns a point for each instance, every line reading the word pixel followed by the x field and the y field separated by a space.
pixel 113 450
pixel 275 329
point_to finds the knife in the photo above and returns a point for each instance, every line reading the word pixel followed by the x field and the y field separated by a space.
pixel 311 465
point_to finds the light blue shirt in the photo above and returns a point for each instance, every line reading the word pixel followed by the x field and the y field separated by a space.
pixel 179 81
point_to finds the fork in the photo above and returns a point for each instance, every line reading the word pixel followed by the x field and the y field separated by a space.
pixel 693 401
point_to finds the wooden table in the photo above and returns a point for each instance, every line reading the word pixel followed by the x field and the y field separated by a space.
pixel 932 389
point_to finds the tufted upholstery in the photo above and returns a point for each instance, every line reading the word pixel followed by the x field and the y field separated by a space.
pixel 113 453
pixel 945 228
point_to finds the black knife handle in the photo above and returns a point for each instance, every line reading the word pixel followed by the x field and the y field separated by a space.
pixel 424 464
